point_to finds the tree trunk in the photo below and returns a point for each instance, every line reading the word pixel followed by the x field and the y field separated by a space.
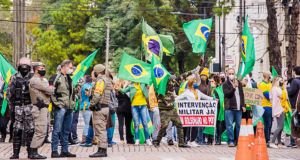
pixel 292 50
pixel 274 45
pixel 180 57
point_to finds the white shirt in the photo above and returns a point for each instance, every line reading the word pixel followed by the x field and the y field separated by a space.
pixel 189 95
pixel 237 96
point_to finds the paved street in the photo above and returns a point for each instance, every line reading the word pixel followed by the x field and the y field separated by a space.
pixel 165 152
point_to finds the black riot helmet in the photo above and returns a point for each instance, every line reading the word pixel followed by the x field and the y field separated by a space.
pixel 24 71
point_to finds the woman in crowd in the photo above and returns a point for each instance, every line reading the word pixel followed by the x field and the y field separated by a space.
pixel 218 94
pixel 124 112
pixel 138 95
pixel 192 94
pixel 278 99
pixel 84 106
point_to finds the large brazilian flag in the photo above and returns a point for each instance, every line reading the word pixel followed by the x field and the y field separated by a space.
pixel 197 31
pixel 7 70
pixel 134 70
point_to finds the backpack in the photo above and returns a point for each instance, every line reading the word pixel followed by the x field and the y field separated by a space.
pixel 113 103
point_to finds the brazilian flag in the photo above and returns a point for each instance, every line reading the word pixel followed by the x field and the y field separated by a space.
pixel 274 72
pixel 82 67
pixel 197 31
pixel 160 76
pixel 168 44
pixel 7 70
pixel 142 137
pixel 134 70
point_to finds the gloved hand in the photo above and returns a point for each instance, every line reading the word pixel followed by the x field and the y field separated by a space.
pixel 196 70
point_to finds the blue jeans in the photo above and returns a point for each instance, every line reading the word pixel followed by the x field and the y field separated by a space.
pixel 61 126
pixel 230 117
pixel 137 113
pixel 268 120
pixel 74 125
pixel 90 135
pixel 201 136
pixel 112 129
pixel 109 135
pixel 87 117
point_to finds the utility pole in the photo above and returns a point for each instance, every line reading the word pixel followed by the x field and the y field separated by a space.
pixel 223 43
pixel 220 68
pixel 19 28
pixel 107 46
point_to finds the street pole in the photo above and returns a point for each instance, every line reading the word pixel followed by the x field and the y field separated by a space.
pixel 223 42
pixel 241 31
pixel 220 42
pixel 107 46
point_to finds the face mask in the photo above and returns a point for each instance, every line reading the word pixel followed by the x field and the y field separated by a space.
pixel 195 85
pixel 270 78
pixel 223 79
pixel 42 72
pixel 24 71
pixel 213 85
pixel 280 84
pixel 69 71
pixel 231 77
pixel 204 79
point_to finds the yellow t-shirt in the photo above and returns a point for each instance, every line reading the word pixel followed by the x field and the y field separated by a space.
pixel 138 98
pixel 266 87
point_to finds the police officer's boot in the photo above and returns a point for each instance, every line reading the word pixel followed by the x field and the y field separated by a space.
pixel 28 142
pixel 35 155
pixel 100 153
pixel 16 143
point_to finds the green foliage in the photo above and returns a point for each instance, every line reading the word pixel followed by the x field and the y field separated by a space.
pixel 6 4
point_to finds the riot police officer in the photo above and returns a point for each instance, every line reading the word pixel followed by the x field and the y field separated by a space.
pixel 20 104
pixel 99 105
pixel 40 93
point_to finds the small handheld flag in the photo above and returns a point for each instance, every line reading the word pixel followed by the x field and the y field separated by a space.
pixel 198 32
pixel 160 76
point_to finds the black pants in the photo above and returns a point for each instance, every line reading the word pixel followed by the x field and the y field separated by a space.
pixel 190 133
pixel 128 118
pixel 3 125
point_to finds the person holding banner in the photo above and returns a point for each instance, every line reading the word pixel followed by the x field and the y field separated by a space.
pixel 192 93
pixel 138 95
pixel 234 105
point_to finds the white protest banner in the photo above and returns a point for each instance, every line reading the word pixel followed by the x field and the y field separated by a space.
pixel 197 113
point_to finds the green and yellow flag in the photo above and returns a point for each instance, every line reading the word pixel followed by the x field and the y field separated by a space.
pixel 247 50
pixel 7 70
pixel 159 75
pixel 151 44
pixel 198 32
pixel 82 67
pixel 168 44
pixel 134 70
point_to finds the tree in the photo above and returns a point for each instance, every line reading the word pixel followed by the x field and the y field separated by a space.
pixel 293 31
pixel 274 44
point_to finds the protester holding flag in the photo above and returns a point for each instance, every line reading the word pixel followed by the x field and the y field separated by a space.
pixel 267 105
pixel 138 94
pixel 192 93
pixel 276 96
pixel 218 94
pixel 167 111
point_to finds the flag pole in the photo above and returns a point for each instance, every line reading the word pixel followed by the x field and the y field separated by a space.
pixel 107 46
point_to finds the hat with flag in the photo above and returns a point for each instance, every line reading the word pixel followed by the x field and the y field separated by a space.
pixel 160 76
pixel 134 70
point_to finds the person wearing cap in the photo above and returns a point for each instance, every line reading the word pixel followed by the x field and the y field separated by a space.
pixel 205 88
pixel 19 102
pixel 40 93
pixel 63 102
pixel 99 102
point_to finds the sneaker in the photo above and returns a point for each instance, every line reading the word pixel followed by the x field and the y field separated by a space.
pixel 164 140
pixel 193 144
pixel 291 145
pixel 122 142
pixel 109 145
pixel 149 143
pixel 281 146
pixel 231 145
pixel 170 142
pixel 156 144
pixel 113 143
pixel 86 144
pixel 201 144
pixel 137 142
pixel 184 146
pixel 272 145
